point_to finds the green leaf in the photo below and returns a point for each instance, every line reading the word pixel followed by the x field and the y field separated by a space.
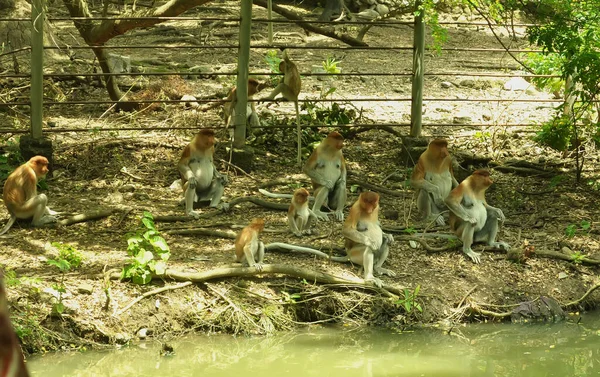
pixel 159 243
pixel 160 267
pixel 143 257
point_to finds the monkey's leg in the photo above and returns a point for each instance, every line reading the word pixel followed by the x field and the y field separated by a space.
pixel 294 224
pixel 190 198
pixel 367 263
pixel 260 252
pixel 337 200
pixel 381 257
pixel 36 207
pixel 489 232
pixel 321 195
pixel 214 193
pixel 467 239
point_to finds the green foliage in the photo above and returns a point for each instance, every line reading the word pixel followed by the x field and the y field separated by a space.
pixel 546 64
pixel 572 229
pixel 431 18
pixel 273 61
pixel 148 250
pixel 68 258
pixel 332 116
pixel 409 301
pixel 330 65
pixel 577 257
pixel 556 133
pixel 556 180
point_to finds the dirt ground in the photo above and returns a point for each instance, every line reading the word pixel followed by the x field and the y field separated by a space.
pixel 89 176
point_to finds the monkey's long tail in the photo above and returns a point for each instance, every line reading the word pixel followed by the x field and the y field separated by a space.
pixel 10 223
pixel 299 132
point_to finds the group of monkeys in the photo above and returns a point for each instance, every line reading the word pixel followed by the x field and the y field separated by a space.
pixel 470 217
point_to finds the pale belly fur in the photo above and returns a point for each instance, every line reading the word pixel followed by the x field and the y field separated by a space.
pixel 203 172
pixel 442 180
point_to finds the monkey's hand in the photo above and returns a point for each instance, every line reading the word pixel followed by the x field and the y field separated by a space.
pixel 339 215
pixel 192 182
pixel 500 245
pixel 475 257
pixel 384 271
pixel 298 233
pixel 224 179
pixel 329 184
pixel 321 216
pixel 440 220
pixel 223 207
pixel 46 220
pixel 194 214
pixel 500 215
pixel 388 238
pixel 376 281
pixel 258 266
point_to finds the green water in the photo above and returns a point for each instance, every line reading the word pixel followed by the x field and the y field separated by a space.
pixel 477 350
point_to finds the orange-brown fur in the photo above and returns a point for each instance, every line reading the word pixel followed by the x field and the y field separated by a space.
pixel 473 187
pixel 21 185
pixel 11 357
pixel 436 158
pixel 365 209
pixel 247 234
pixel 202 144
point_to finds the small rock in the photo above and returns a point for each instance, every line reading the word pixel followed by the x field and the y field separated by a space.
pixel 129 187
pixel 468 83
pixel 461 119
pixel 391 214
pixel 566 250
pixel 142 333
pixel 85 289
pixel 413 244
pixel 562 275
pixel 382 9
pixel 446 84
pixel 190 101
pixel 516 84
pixel 121 338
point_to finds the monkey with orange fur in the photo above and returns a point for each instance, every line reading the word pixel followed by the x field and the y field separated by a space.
pixel 11 357
pixel 230 102
pixel 365 243
pixel 326 168
pixel 20 194
pixel 249 250
pixel 289 88
pixel 433 178
pixel 299 215
pixel 471 218
pixel 200 178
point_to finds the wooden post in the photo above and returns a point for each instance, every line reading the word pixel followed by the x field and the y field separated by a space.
pixel 38 16
pixel 416 108
pixel 240 118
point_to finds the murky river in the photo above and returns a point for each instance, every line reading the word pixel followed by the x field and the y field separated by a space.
pixel 477 350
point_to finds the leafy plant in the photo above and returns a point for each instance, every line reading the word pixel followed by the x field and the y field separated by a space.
pixel 148 250
pixel 273 61
pixel 577 257
pixel 572 229
pixel 409 301
pixel 556 180
pixel 68 258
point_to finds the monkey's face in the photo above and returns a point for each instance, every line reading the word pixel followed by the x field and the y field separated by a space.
pixel 282 66
pixel 301 196
pixel 258 224
pixel 39 165
pixel 369 201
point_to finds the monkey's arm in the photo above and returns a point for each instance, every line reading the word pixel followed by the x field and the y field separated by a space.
pixel 495 211
pixel 356 236
pixel 419 182
pixel 292 224
pixel 184 165
pixel 311 168
pixel 454 204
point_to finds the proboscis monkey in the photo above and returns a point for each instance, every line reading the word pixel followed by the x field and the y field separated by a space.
pixel 289 87
pixel 366 244
pixel 230 102
pixel 299 215
pixel 327 170
pixel 433 179
pixel 11 357
pixel 471 218
pixel 20 194
pixel 249 250
pixel 199 176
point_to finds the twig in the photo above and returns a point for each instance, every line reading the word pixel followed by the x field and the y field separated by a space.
pixel 466 295
pixel 124 171
pixel 151 293
pixel 238 169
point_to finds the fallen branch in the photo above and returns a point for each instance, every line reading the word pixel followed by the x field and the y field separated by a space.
pixel 582 297
pixel 568 258
pixel 260 202
pixel 151 293
pixel 326 32
pixel 523 171
pixel 372 186
pixel 299 272
pixel 83 217
pixel 203 232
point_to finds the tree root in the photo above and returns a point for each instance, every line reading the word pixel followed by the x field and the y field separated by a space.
pixel 568 258
pixel 151 293
pixel 229 234
pixel 298 272
pixel 83 217
pixel 579 300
